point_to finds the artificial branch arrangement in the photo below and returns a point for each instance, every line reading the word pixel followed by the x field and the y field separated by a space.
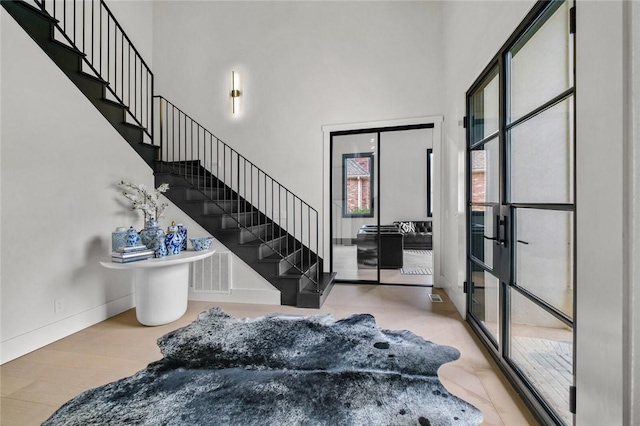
pixel 145 200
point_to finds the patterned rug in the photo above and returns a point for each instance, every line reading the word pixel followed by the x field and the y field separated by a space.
pixel 280 370
pixel 417 262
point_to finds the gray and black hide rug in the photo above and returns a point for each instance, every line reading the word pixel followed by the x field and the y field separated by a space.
pixel 280 370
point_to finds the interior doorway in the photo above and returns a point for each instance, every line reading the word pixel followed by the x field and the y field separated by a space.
pixel 381 214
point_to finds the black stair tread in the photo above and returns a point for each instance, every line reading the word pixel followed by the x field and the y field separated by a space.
pixel 33 9
pixel 93 78
pixel 115 103
pixel 294 272
pixel 277 257
pixel 67 47
pixel 313 296
pixel 326 279
pixel 134 126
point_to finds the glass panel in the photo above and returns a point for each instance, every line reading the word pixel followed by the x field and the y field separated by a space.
pixel 484 109
pixel 542 349
pixel 484 298
pixel 350 260
pixel 357 179
pixel 544 256
pixel 482 218
pixel 406 250
pixel 485 177
pixel 540 64
pixel 541 153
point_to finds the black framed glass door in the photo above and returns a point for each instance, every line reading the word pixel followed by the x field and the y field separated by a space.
pixel 381 225
pixel 521 208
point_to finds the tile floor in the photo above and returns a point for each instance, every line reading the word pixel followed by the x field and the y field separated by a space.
pixel 35 385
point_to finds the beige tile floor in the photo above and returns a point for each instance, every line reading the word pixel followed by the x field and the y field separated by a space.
pixel 35 385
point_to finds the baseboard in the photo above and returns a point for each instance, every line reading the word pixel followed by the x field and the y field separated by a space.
pixel 21 345
pixel 240 295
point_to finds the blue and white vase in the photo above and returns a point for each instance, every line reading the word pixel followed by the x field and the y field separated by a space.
pixel 173 240
pixel 152 236
pixel 132 238
pixel 183 233
pixel 119 238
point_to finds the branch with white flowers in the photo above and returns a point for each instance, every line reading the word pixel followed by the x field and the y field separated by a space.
pixel 145 200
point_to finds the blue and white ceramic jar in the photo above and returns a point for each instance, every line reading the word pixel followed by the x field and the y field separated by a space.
pixel 152 236
pixel 183 233
pixel 173 240
pixel 132 238
pixel 119 238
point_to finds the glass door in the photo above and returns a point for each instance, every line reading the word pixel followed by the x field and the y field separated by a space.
pixel 388 242
pixel 406 231
pixel 354 209
pixel 521 220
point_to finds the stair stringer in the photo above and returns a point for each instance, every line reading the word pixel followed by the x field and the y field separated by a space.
pixel 295 288
pixel 41 26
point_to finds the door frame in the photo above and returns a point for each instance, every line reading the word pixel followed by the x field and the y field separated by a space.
pixel 327 130
pixel 506 209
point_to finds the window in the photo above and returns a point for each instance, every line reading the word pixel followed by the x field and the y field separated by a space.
pixel 357 184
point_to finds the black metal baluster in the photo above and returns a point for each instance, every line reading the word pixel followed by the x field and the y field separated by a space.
pixel 100 40
pixel 74 22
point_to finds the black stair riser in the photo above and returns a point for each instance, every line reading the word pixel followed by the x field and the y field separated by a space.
pixel 220 207
pixel 68 60
pixel 34 22
pixel 244 219
pixel 93 90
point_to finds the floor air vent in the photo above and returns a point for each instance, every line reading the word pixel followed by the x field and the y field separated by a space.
pixel 213 274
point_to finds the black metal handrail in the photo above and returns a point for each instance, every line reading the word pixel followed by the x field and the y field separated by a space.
pixel 256 202
pixel 90 27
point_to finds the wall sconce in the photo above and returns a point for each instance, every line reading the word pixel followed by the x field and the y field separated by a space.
pixel 235 92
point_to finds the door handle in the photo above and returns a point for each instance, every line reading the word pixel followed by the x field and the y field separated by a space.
pixel 502 230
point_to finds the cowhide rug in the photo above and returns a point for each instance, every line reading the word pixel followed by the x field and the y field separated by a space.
pixel 280 370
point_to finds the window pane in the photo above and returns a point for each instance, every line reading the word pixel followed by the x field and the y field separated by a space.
pixel 541 152
pixel 541 65
pixel 484 299
pixel 358 184
pixel 544 256
pixel 542 348
pixel 485 175
pixel 481 227
pixel 484 109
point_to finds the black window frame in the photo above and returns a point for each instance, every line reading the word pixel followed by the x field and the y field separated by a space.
pixel 345 212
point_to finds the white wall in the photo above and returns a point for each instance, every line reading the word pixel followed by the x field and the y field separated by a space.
pixel 601 283
pixel 59 200
pixel 303 65
pixel 472 33
pixel 632 389
pixel 135 16
pixel 60 161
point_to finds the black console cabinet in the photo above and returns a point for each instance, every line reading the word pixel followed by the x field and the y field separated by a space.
pixel 391 245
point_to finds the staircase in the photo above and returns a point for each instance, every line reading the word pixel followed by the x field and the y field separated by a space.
pixel 262 222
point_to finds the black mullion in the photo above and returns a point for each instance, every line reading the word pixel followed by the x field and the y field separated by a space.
pixel 377 196
pixel 481 264
pixel 485 334
pixel 542 108
pixel 545 206
pixel 558 314
pixel 490 138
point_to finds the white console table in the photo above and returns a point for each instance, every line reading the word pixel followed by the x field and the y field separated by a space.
pixel 161 285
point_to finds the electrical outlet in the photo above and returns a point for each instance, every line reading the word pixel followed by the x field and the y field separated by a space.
pixel 58 305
